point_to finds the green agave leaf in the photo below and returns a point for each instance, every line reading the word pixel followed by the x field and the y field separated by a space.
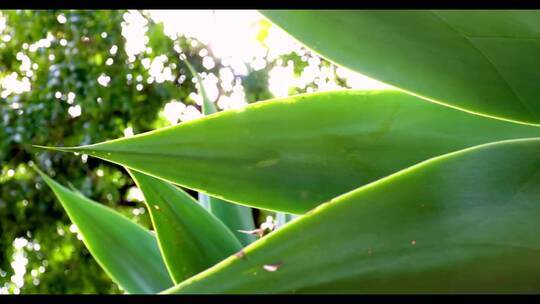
pixel 127 252
pixel 284 218
pixel 208 107
pixel 236 217
pixel 481 61
pixel 463 222
pixel 190 238
pixel 294 153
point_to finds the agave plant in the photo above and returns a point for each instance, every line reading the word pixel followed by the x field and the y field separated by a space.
pixel 429 187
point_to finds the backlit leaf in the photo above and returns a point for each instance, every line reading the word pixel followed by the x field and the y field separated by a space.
pixel 127 252
pixel 482 61
pixel 190 238
pixel 464 222
pixel 294 153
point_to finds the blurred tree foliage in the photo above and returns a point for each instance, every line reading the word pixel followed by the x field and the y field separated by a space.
pixel 84 89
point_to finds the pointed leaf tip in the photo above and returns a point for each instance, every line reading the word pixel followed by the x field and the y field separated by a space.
pixel 58 149
pixel 190 238
pixel 127 252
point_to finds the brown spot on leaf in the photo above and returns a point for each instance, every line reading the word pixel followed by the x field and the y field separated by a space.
pixel 241 254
